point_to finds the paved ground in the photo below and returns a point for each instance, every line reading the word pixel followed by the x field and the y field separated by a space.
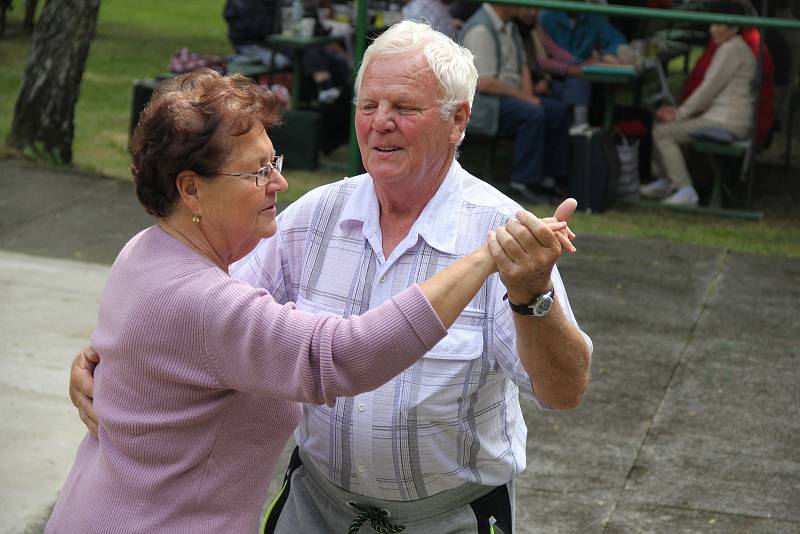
pixel 691 424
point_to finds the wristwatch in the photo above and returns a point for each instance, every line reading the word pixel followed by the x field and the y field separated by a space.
pixel 539 307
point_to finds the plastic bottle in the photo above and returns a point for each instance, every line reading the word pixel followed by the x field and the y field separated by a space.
pixel 297 16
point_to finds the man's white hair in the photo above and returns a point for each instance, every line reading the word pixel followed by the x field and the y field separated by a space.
pixel 452 64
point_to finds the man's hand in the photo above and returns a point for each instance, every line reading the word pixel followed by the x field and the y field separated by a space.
pixel 667 114
pixel 81 386
pixel 525 251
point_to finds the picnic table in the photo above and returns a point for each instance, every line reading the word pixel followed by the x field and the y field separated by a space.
pixel 297 43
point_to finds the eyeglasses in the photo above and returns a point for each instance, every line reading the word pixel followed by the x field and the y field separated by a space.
pixel 261 175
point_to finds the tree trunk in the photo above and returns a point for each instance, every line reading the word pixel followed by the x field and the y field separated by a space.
pixel 30 12
pixel 5 5
pixel 43 124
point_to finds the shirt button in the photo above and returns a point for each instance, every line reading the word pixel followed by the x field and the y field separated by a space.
pixel 362 407
pixel 361 468
pixel 383 279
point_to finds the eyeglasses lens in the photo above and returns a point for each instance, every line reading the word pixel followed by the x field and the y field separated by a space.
pixel 262 177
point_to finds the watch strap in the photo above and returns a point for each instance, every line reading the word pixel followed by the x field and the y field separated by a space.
pixel 530 309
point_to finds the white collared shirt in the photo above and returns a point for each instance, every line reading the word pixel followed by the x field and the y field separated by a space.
pixel 454 416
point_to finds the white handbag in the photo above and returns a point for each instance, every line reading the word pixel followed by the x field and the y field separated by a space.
pixel 628 152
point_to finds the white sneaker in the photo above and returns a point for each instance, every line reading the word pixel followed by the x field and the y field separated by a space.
pixel 579 129
pixel 329 95
pixel 548 182
pixel 658 189
pixel 685 196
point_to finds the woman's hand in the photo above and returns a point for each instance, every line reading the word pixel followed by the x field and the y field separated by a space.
pixel 563 213
pixel 667 114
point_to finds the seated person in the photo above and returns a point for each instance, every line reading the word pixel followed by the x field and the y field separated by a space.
pixel 723 100
pixel 537 124
pixel 766 101
pixel 584 35
pixel 554 70
pixel 249 23
pixel 435 13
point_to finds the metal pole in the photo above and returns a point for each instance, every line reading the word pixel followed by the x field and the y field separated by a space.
pixel 655 13
pixel 358 54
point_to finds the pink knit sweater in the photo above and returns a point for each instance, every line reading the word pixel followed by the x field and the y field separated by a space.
pixel 198 388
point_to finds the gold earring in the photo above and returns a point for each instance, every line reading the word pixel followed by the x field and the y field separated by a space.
pixel 195 217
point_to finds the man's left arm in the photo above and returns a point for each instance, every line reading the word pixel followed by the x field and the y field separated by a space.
pixel 608 38
pixel 551 348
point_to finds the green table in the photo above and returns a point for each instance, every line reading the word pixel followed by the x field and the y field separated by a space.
pixel 252 70
pixel 297 44
pixel 610 78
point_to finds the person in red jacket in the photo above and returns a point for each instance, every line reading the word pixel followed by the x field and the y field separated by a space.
pixel 766 103
pixel 718 95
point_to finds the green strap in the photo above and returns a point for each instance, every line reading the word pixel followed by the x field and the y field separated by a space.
pixel 272 505
pixel 377 520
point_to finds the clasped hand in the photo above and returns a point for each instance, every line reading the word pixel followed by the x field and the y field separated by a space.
pixel 526 249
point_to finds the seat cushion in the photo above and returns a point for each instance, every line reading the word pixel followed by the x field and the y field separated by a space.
pixel 719 135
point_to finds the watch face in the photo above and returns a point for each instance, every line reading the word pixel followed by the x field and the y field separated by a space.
pixel 542 305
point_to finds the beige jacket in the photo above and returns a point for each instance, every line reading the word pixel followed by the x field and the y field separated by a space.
pixel 726 95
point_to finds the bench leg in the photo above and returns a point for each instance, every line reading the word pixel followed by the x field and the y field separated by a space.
pixel 716 190
pixel 787 154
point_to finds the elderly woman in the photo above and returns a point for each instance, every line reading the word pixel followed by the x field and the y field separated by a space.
pixel 201 374
pixel 724 100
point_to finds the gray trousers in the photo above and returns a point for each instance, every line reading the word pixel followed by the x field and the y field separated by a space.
pixel 314 505
pixel 668 139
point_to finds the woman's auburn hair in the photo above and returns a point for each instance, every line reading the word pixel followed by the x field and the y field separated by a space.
pixel 187 125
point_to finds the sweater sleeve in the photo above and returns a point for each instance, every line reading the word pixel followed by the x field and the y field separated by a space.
pixel 256 345
pixel 556 60
pixel 722 69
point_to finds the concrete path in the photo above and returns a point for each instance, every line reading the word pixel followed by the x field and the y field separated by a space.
pixel 691 424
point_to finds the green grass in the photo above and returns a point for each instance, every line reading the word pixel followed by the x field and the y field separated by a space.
pixel 135 39
pixel 772 236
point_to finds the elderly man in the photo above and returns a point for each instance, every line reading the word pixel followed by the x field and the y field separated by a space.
pixel 435 450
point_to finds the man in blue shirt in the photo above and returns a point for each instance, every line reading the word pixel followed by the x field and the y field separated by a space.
pixel 581 33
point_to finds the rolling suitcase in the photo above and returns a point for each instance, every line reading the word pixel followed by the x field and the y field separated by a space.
pixel 595 170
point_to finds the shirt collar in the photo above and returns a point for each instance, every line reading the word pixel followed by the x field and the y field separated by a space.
pixel 495 18
pixel 435 224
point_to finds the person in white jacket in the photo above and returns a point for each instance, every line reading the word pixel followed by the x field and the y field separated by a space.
pixel 723 100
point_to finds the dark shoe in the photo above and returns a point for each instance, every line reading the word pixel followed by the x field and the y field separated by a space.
pixel 525 193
